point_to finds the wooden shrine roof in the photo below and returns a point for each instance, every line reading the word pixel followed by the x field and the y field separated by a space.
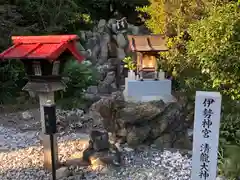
pixel 145 43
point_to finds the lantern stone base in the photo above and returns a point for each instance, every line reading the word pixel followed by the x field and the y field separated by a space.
pixel 148 90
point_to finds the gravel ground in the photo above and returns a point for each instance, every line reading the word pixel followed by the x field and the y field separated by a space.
pixel 21 157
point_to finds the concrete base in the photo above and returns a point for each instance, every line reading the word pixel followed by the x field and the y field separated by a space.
pixel 148 90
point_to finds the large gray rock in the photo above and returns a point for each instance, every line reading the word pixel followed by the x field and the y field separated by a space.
pixel 136 123
pixel 113 63
pixel 99 140
pixel 134 30
pixel 95 52
pixel 91 98
pixel 164 141
pixel 138 113
pixel 121 53
pixel 111 22
pixel 103 54
pixel 105 40
pixel 91 43
pixel 121 41
pixel 105 85
pixel 62 172
pixel 106 109
pixel 92 89
pixel 89 34
pixel 109 78
pixel 101 25
pixel 113 52
pixel 183 142
pixel 137 135
pixel 114 28
pixel 82 35
pixel 103 70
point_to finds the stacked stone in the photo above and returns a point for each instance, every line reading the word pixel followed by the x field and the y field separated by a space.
pixel 108 47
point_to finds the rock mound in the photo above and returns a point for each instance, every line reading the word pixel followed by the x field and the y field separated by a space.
pixel 155 122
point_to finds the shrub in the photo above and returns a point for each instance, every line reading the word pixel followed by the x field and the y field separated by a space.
pixel 229 159
pixel 172 17
pixel 78 77
pixel 12 79
pixel 204 55
pixel 229 162
pixel 215 49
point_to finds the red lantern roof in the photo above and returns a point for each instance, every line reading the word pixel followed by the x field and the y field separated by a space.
pixel 42 47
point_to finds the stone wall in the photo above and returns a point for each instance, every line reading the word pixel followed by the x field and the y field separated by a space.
pixel 165 125
pixel 106 47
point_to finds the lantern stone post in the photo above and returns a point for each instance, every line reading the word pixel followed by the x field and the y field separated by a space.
pixel 45 92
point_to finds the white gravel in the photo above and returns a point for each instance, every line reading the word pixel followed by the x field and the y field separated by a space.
pixel 21 157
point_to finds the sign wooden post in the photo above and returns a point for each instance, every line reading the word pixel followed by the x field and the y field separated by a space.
pixel 206 135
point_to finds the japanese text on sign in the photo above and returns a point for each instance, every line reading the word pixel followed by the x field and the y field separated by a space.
pixel 205 141
pixel 205 148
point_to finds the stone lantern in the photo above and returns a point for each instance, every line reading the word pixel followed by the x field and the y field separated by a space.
pixel 44 58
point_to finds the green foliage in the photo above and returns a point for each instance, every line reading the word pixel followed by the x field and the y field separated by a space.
pixel 123 6
pixel 12 78
pixel 129 63
pixel 230 128
pixel 229 162
pixel 215 49
pixel 38 17
pixel 204 55
pixel 172 17
pixel 210 60
pixel 78 77
pixel 214 52
pixel 51 16
pixel 229 159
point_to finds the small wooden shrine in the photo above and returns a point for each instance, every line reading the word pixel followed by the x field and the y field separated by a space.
pixel 146 50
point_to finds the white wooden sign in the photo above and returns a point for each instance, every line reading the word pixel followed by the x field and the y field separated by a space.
pixel 206 135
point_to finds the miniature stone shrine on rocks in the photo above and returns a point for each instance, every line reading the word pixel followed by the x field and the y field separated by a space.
pixel 146 112
pixel 149 84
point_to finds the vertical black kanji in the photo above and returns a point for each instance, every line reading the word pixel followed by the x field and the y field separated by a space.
pixel 208 101
pixel 204 159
